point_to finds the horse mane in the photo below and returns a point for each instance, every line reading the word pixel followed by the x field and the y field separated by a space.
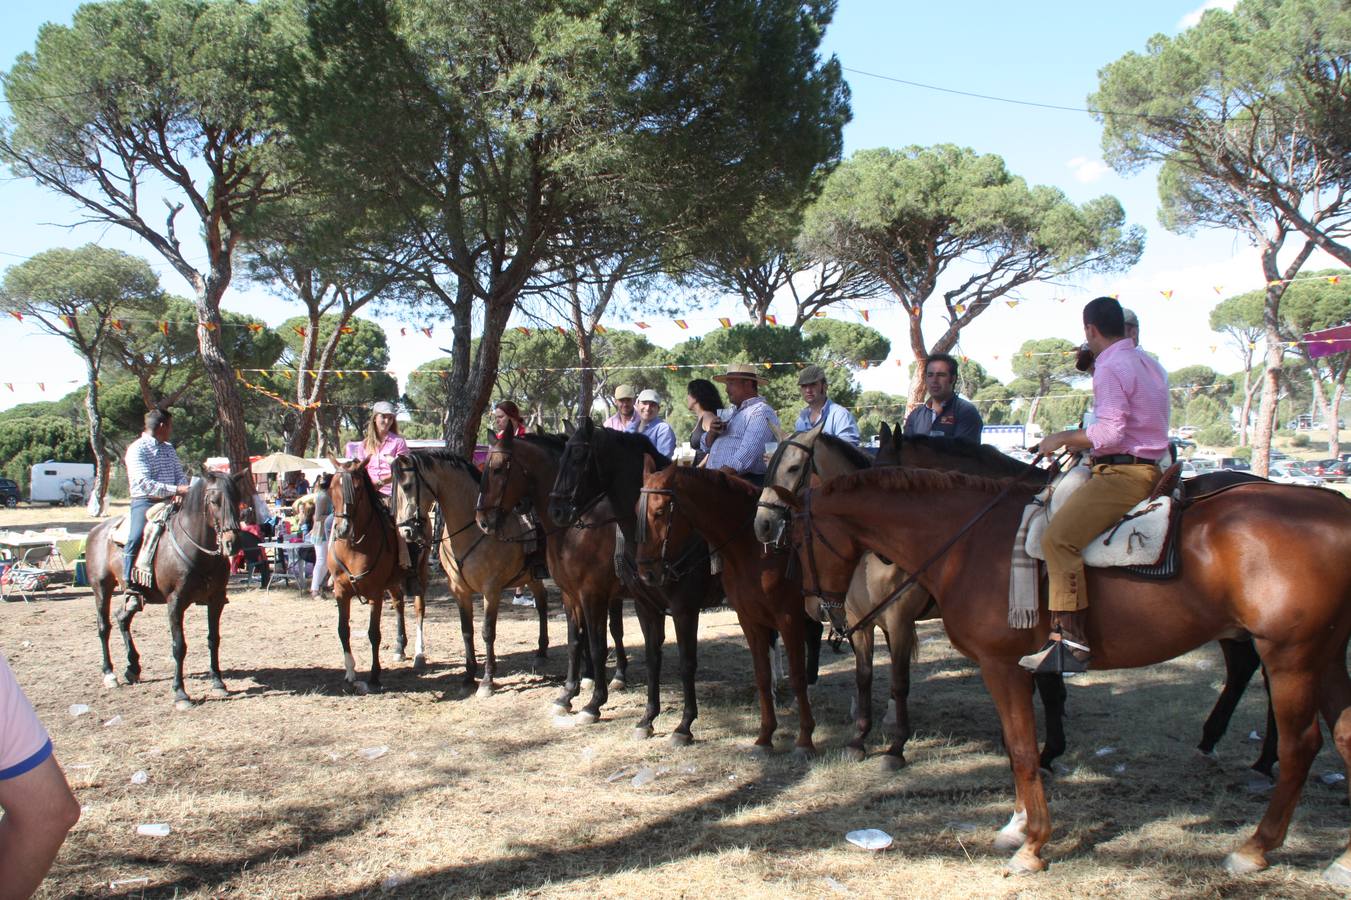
pixel 720 478
pixel 632 441
pixel 856 457
pixel 553 442
pixel 985 454
pixel 450 457
pixel 917 481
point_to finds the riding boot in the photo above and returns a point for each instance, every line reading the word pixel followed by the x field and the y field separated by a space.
pixel 1067 651
pixel 132 602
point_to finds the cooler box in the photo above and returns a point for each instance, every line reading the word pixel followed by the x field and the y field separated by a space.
pixel 81 576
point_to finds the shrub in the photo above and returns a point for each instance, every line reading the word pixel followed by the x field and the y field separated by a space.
pixel 1300 440
pixel 1242 453
pixel 1217 435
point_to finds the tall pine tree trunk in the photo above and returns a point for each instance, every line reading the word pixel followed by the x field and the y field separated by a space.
pixel 99 496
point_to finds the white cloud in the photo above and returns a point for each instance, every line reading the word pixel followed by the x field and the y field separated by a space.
pixel 1194 17
pixel 1088 170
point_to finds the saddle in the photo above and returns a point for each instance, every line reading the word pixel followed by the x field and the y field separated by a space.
pixel 156 521
pixel 1143 541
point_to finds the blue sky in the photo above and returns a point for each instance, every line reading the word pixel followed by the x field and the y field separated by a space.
pixel 1045 52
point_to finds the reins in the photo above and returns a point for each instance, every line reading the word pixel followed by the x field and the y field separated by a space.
pixel 810 531
pixel 347 483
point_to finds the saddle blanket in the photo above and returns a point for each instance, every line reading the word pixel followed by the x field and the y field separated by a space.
pixel 1139 538
pixel 156 520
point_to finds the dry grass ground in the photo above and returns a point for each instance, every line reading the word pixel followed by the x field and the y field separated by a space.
pixel 268 793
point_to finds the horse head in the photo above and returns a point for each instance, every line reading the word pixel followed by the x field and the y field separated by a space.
pixel 578 484
pixel 658 526
pixel 790 469
pixel 343 493
pixel 220 505
pixel 503 486
pixel 409 499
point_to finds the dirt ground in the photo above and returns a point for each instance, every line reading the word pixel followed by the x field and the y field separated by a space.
pixel 289 789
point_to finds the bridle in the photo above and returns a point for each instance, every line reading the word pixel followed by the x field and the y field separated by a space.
pixel 415 523
pixel 482 504
pixel 781 510
pixel 221 522
pixel 590 465
pixel 347 486
pixel 668 570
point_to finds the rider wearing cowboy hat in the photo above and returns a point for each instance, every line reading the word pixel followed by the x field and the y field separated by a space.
pixel 738 443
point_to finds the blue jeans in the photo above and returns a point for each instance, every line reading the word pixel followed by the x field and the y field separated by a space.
pixel 139 507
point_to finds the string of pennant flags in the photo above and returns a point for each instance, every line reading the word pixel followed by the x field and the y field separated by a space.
pixel 865 314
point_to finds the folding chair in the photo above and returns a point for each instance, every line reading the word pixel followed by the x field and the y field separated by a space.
pixel 23 579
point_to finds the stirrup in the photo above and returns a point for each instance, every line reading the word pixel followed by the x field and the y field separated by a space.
pixel 1055 658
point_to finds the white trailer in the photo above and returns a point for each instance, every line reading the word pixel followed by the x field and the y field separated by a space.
pixel 61 483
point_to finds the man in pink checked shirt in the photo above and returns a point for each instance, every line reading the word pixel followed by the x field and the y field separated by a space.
pixel 1126 442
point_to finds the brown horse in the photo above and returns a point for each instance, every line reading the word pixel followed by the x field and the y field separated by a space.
pixel 1262 558
pixel 363 558
pixel 518 475
pixel 191 566
pixel 763 589
pixel 473 561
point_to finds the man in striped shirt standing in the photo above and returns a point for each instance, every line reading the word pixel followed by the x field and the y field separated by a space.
pixel 1126 441
pixel 154 473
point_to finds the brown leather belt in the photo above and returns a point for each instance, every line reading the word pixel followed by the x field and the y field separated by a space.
pixel 1123 459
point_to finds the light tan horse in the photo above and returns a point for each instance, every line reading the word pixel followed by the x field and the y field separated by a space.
pixel 474 562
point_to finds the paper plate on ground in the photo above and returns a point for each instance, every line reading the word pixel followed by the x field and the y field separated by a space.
pixel 869 839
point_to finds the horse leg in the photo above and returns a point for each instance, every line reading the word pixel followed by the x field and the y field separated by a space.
pixel 1267 759
pixel 419 644
pixel 1051 689
pixel 1011 689
pixel 862 642
pixel 344 598
pixel 595 632
pixel 653 625
pixel 813 629
pixel 621 679
pixel 491 600
pixel 572 680
pixel 757 638
pixel 541 594
pixel 373 633
pixel 1335 701
pixel 213 611
pixel 132 673
pixel 466 603
pixel 1294 689
pixel 901 644
pixel 1240 662
pixel 795 643
pixel 102 592
pixel 687 644
pixel 400 632
pixel 176 608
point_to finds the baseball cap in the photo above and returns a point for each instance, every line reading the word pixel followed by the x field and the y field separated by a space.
pixel 384 407
pixel 811 375
pixel 649 396
pixel 624 391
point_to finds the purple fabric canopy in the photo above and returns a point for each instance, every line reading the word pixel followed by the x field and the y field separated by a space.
pixel 1329 341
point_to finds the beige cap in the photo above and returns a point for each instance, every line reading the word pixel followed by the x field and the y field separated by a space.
pixel 624 392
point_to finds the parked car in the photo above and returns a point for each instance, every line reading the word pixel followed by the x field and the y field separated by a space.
pixel 1188 470
pixel 9 492
pixel 1316 466
pixel 1286 475
pixel 1203 465
pixel 1235 463
pixel 1187 431
pixel 1338 472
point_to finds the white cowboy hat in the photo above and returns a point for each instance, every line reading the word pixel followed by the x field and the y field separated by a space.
pixel 741 370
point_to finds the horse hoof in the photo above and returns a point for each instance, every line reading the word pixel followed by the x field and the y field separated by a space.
pixel 541 655
pixel 560 709
pixel 760 751
pixel 399 656
pixel 374 687
pixel 853 754
pixel 804 754
pixel 586 717
pixel 349 687
pixel 183 705
pixel 219 693
pixel 1024 863
pixel 110 680
pixel 680 739
pixel 1207 756
pixel 1337 874
pixel 485 690
pixel 131 677
pixel 891 762
pixel 642 732
pixel 419 663
pixel 618 684
pixel 1238 864
pixel 588 683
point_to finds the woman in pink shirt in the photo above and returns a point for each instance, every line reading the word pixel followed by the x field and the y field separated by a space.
pixel 381 445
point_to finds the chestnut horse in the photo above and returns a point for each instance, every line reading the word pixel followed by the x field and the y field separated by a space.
pixel 599 478
pixel 518 475
pixel 1266 559
pixel 473 561
pixel 808 458
pixel 764 590
pixel 191 566
pixel 363 558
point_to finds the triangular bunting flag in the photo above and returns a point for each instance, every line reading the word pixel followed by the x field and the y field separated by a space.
pixel 771 320
pixel 1334 279
pixel 164 328
pixel 117 323
pixel 403 332
pixel 298 329
pixel 864 314
pixel 1167 295
pixel 600 329
pixel 561 330
pixel 724 322
pixel 682 324
pixel 1218 288
pixel 522 329
pixel 427 332
pixel 1011 303
pixel 69 320
pixel 17 315
pixel 643 326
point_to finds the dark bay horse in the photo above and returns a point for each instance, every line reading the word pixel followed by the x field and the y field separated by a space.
pixel 598 481
pixel 1240 656
pixel 474 562
pixel 764 590
pixel 192 565
pixel 363 558
pixel 517 476
pixel 1261 558
pixel 808 459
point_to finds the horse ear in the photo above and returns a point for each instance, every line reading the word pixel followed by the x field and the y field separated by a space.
pixel 567 428
pixel 815 430
pixel 649 465
pixel 884 435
